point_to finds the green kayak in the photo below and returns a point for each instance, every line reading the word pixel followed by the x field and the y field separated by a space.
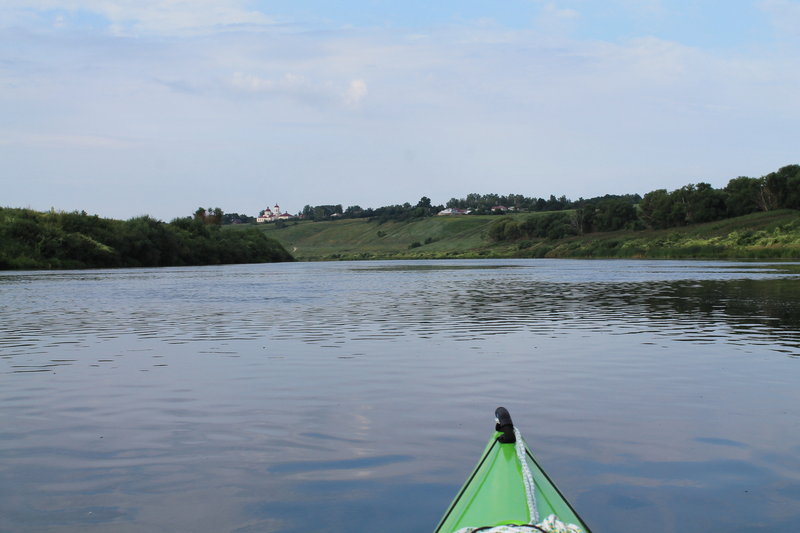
pixel 509 491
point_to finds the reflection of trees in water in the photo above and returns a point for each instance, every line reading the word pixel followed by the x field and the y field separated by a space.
pixel 453 304
pixel 774 303
pixel 758 311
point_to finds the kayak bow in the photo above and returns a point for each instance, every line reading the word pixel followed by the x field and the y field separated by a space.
pixel 509 488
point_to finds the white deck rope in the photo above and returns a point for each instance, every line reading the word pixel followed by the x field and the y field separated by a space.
pixel 551 524
pixel 527 478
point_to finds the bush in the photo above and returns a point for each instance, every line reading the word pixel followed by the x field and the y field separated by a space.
pixel 29 239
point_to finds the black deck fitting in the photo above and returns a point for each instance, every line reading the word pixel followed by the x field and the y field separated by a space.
pixel 505 425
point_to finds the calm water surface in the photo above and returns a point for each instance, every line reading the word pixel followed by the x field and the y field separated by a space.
pixel 357 396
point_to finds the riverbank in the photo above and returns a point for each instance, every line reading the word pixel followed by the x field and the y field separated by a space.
pixel 770 235
pixel 33 240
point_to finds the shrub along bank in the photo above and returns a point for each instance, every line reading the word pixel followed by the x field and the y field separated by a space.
pixel 55 240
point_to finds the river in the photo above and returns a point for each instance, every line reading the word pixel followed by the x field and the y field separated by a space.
pixel 661 396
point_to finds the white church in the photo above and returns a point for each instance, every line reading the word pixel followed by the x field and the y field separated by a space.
pixel 268 215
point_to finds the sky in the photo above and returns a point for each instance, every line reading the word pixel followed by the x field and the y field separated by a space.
pixel 130 107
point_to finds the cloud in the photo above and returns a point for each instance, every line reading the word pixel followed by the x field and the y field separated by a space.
pixel 355 93
pixel 62 141
pixel 126 17
pixel 785 15
pixel 554 20
pixel 552 11
pixel 300 89
pixel 251 83
pixel 482 106
pixel 643 7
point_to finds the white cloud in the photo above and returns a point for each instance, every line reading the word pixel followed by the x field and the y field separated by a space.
pixel 17 138
pixel 555 20
pixel 355 93
pixel 643 7
pixel 551 10
pixel 300 89
pixel 249 82
pixel 151 16
pixel 785 15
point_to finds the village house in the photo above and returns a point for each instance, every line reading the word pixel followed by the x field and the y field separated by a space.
pixel 452 211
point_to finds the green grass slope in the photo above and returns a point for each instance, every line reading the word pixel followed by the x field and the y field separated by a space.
pixel 771 235
pixel 775 234
pixel 360 239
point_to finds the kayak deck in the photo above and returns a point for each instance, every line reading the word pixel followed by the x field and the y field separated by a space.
pixel 494 494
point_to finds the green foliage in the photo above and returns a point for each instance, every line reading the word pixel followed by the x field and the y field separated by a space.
pixel 321 212
pixel 773 234
pixel 212 216
pixel 607 214
pixel 30 239
pixel 236 218
pixel 547 225
pixel 743 196
pixel 483 204
pixel 782 188
pixel 658 209
pixel 384 214
pixel 696 204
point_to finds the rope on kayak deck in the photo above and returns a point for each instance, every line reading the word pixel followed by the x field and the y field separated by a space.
pixel 550 525
pixel 510 528
pixel 527 478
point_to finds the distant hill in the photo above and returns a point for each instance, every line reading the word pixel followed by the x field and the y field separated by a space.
pixel 772 234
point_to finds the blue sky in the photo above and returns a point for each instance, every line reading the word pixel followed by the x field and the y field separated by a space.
pixel 157 107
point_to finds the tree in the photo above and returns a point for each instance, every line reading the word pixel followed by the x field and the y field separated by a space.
pixel 703 203
pixel 656 209
pixel 614 214
pixel 353 211
pixel 743 195
pixel 214 216
pixel 792 186
pixel 780 189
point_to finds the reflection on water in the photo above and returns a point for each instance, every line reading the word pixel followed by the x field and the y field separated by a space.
pixel 282 397
pixel 739 305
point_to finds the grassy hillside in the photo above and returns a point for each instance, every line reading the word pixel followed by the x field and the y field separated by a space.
pixel 775 234
pixel 360 239
pixel 772 235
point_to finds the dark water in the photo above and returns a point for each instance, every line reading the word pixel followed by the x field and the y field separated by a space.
pixel 661 396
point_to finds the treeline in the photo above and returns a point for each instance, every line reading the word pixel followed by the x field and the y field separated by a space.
pixel 54 240
pixel 660 209
pixel 236 218
pixel 486 204
pixel 476 204
pixel 693 204
pixel 398 212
